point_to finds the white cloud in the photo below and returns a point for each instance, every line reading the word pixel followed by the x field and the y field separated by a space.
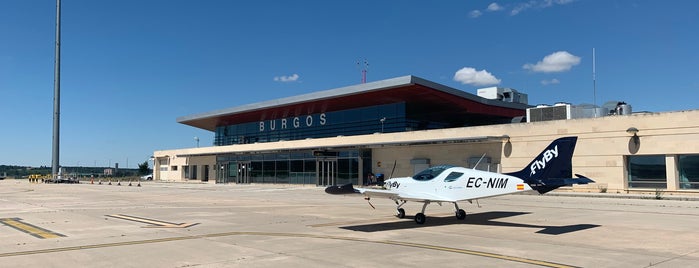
pixel 286 79
pixel 548 3
pixel 522 7
pixel 475 14
pixel 540 4
pixel 557 62
pixel 550 82
pixel 469 76
pixel 494 7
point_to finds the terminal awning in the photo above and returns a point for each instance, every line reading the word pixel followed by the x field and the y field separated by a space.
pixel 382 140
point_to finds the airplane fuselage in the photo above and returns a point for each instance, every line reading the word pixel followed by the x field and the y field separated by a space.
pixel 459 183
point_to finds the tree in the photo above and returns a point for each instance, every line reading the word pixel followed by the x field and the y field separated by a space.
pixel 143 168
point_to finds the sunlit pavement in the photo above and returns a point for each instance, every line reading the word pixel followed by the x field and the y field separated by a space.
pixel 208 225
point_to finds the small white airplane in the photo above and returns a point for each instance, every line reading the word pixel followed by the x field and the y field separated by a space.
pixel 445 183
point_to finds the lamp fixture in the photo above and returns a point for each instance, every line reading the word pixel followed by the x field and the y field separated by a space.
pixel 634 131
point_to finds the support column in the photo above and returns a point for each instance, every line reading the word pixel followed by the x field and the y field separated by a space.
pixel 672 172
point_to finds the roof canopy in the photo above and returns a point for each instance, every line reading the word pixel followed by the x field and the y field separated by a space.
pixel 428 97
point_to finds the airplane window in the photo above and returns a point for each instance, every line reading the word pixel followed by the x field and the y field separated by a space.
pixel 431 173
pixel 453 176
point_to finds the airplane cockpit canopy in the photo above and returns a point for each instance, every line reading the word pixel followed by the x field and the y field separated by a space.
pixel 431 172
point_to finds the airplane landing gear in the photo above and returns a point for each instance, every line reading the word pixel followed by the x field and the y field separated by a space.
pixel 460 213
pixel 420 218
pixel 401 213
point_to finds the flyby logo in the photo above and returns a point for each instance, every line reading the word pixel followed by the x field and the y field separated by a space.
pixel 539 164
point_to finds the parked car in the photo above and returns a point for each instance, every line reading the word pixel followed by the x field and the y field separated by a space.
pixel 148 177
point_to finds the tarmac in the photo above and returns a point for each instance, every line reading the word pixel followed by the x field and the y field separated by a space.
pixel 233 225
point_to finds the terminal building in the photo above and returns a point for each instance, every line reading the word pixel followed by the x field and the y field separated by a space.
pixel 396 127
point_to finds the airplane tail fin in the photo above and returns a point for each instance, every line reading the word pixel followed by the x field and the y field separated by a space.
pixel 552 168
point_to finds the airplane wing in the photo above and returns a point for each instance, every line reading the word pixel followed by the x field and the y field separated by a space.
pixel 415 197
pixel 370 192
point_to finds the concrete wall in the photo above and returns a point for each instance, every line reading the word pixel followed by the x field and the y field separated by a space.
pixel 180 162
pixel 603 145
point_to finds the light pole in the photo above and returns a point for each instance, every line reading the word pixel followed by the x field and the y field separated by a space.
pixel 382 121
pixel 197 139
pixel 55 163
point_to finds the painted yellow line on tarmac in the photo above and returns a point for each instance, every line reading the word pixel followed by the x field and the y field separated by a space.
pixel 33 230
pixel 297 235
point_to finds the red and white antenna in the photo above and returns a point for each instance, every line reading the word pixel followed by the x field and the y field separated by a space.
pixel 364 67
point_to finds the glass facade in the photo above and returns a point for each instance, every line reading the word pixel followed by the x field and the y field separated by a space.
pixel 298 167
pixel 647 171
pixel 336 168
pixel 380 118
pixel 688 166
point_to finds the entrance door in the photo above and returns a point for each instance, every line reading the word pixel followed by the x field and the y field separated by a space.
pixel 221 172
pixel 326 171
pixel 206 173
pixel 243 172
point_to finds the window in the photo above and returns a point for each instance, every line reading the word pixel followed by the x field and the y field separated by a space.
pixel 647 171
pixel 688 166
pixel 174 168
pixel 163 164
pixel 329 124
pixel 431 173
pixel 453 176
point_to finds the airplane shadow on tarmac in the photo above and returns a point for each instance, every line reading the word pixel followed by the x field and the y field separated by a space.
pixel 486 218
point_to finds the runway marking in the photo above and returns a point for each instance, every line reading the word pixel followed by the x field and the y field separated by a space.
pixel 344 238
pixel 153 223
pixel 31 229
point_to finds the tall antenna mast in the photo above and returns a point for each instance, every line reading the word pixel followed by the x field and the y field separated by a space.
pixel 364 68
pixel 594 83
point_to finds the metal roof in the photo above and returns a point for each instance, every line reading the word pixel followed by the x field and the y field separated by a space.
pixel 409 88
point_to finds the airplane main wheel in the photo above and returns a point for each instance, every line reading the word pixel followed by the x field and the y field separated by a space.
pixel 460 214
pixel 420 218
pixel 401 213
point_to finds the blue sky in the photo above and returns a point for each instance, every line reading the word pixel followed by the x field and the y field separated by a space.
pixel 130 68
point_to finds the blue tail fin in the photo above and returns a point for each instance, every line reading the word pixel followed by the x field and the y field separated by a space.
pixel 552 168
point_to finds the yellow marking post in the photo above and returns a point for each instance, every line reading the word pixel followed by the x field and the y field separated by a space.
pixel 33 230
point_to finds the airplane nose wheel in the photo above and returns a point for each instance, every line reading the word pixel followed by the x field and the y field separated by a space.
pixel 460 214
pixel 401 213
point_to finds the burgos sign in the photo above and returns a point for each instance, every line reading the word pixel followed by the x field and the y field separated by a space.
pixel 293 122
